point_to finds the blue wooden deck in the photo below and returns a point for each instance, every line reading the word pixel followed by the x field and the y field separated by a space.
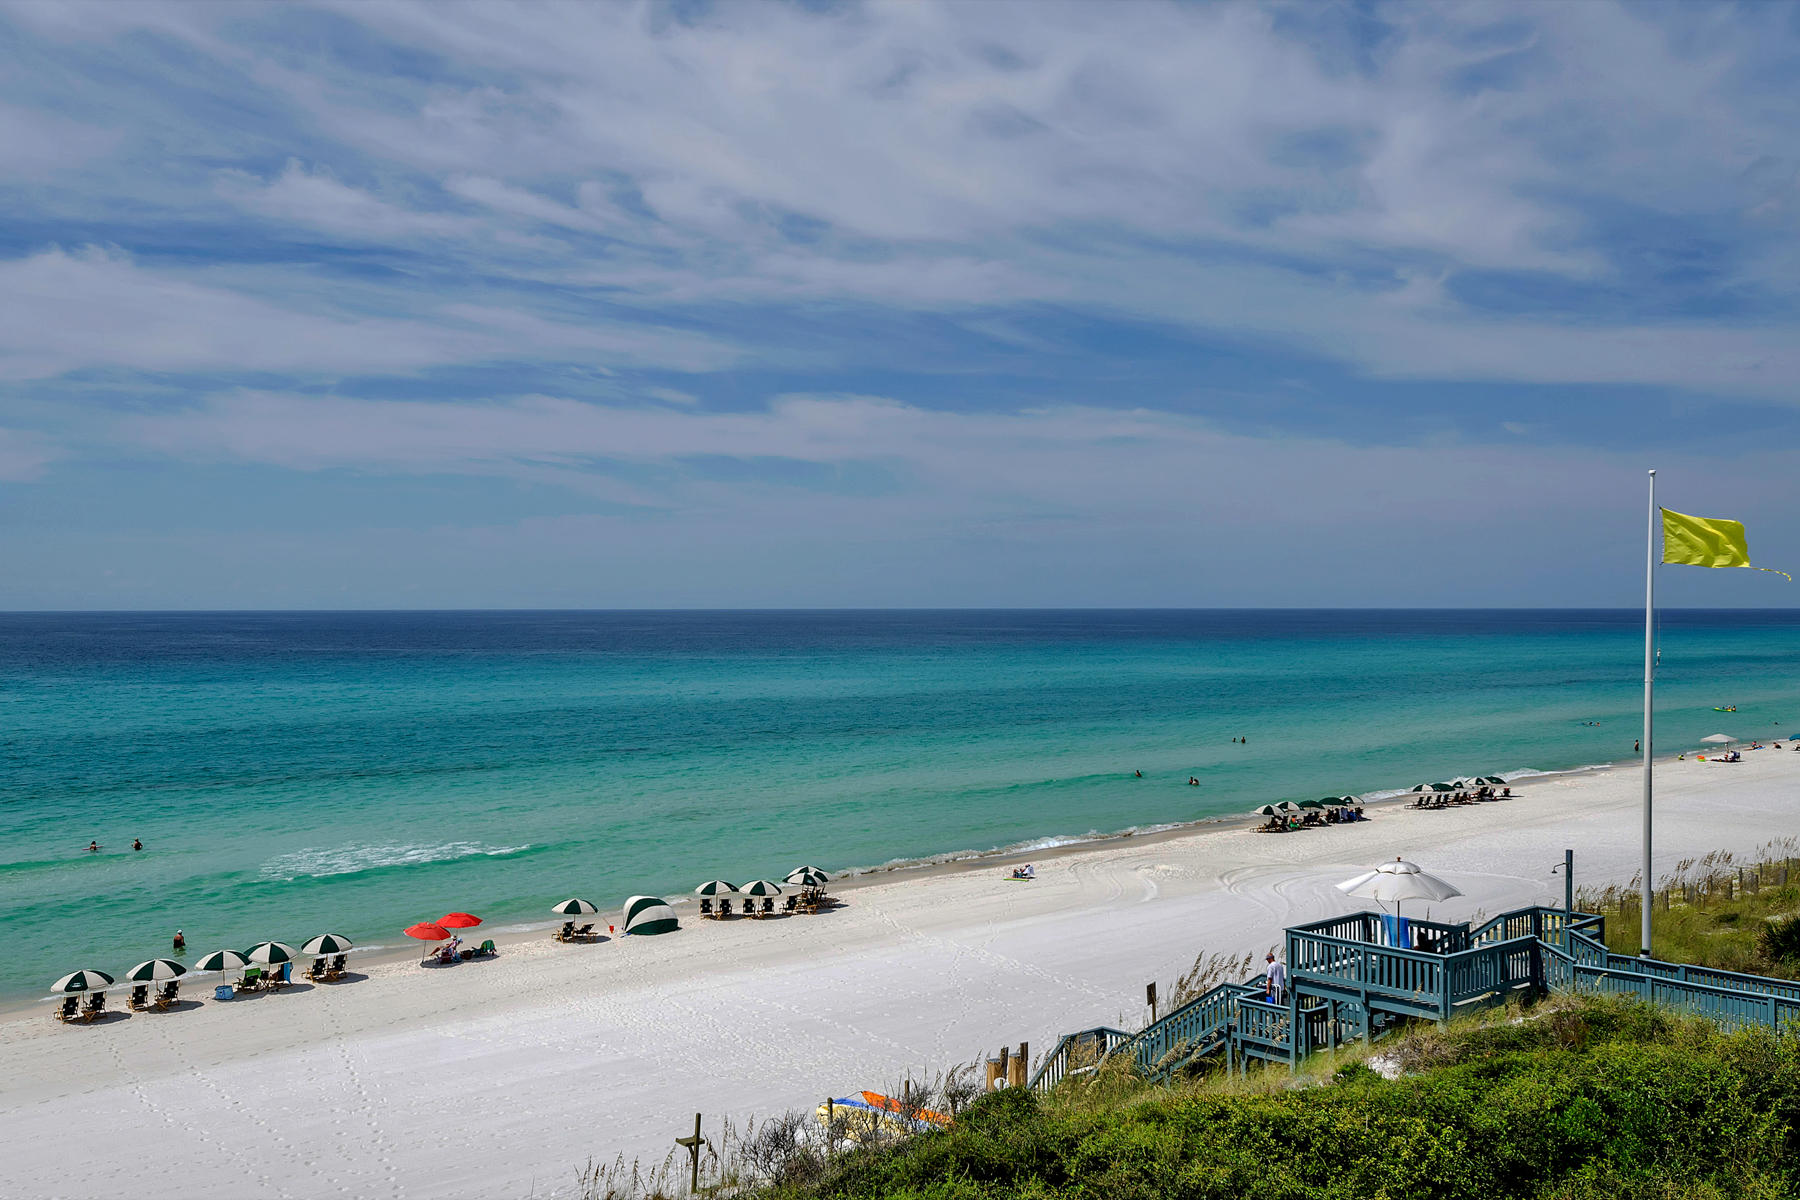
pixel 1345 983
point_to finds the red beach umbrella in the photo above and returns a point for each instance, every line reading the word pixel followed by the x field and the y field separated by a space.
pixel 459 920
pixel 425 931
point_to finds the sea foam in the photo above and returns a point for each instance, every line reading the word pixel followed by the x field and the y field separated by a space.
pixel 319 862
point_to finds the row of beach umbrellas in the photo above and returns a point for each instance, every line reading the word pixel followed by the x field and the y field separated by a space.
pixel 642 914
pixel 805 877
pixel 1286 807
pixel 157 970
pixel 1466 784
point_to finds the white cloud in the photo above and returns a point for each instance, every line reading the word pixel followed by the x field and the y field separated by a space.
pixel 315 198
pixel 60 311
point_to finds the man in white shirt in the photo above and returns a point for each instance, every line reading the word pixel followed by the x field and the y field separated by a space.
pixel 1277 975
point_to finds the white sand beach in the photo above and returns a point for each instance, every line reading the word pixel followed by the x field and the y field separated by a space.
pixel 503 1078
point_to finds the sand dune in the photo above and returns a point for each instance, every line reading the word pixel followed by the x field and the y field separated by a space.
pixel 503 1078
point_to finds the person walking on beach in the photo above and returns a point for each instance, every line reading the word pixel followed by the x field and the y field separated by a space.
pixel 1277 976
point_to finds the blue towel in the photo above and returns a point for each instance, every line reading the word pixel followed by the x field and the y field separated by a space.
pixel 1395 931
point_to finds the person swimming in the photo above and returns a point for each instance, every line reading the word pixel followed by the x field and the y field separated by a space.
pixel 93 847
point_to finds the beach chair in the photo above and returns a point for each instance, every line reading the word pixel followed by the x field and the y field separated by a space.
pixel 768 906
pixel 706 906
pixel 585 932
pixel 793 902
pixel 317 970
pixel 252 980
pixel 485 950
pixel 566 933
pixel 70 1010
pixel 95 1007
pixel 725 908
pixel 166 995
pixel 139 999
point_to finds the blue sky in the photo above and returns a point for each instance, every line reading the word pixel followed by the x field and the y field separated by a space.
pixel 383 304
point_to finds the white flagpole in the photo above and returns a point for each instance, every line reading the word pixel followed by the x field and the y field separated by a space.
pixel 1649 683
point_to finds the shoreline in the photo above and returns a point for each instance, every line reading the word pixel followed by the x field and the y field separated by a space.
pixel 401 1069
pixel 514 934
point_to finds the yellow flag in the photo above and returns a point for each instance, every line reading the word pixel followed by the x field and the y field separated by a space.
pixel 1706 542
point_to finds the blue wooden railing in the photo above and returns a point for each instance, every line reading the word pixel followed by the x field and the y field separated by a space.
pixel 1343 979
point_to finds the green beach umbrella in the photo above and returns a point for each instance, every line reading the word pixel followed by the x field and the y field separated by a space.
pixel 761 887
pixel 81 981
pixel 574 908
pixel 716 887
pixel 222 960
pixel 648 914
pixel 807 877
pixel 156 969
pixel 326 943
pixel 1492 780
pixel 1287 806
pixel 1435 787
pixel 270 953
pixel 1266 810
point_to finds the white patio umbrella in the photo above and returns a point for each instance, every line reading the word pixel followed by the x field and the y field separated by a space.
pixel 574 908
pixel 761 887
pixel 1392 882
pixel 807 877
pixel 1719 739
pixel 270 952
pixel 155 970
pixel 82 981
pixel 1265 810
pixel 716 887
pixel 1288 806
pixel 326 943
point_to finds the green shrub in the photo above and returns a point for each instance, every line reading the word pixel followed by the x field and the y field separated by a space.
pixel 1582 1100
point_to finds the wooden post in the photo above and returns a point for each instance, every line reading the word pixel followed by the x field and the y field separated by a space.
pixel 1150 999
pixel 693 1145
pixel 1017 1079
pixel 993 1073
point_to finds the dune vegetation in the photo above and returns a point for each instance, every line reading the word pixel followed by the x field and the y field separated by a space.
pixel 1571 1098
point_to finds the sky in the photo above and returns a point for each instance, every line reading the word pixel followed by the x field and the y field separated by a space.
pixel 395 305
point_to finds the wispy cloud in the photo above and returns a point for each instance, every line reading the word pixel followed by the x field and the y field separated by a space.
pixel 1030 256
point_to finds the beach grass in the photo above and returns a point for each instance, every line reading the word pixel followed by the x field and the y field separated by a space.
pixel 1728 912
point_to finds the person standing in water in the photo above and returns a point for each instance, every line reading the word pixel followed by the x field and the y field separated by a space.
pixel 136 845
pixel 180 942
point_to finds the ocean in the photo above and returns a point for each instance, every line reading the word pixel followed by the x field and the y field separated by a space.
pixel 290 774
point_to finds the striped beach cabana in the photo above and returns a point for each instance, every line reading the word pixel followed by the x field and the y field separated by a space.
pixel 648 914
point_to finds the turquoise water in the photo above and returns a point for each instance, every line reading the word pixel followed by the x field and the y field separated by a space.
pixel 292 773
